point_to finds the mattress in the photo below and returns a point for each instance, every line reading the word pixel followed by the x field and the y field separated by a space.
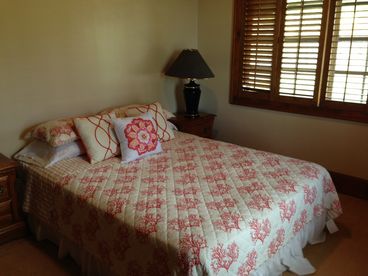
pixel 200 207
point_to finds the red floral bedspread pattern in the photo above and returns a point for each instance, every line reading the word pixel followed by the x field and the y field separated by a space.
pixel 201 206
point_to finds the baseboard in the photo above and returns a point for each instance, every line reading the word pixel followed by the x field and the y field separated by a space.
pixel 350 185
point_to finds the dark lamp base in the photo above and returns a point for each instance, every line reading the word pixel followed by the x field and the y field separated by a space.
pixel 192 94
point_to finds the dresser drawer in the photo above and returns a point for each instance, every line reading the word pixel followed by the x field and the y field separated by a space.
pixel 199 130
pixel 202 128
pixel 11 221
pixel 6 217
pixel 4 188
pixel 201 125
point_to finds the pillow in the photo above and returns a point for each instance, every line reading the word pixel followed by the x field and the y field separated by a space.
pixel 172 126
pixel 55 133
pixel 138 137
pixel 164 132
pixel 168 114
pixel 120 111
pixel 41 154
pixel 98 137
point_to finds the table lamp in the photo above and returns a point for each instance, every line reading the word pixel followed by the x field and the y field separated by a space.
pixel 190 65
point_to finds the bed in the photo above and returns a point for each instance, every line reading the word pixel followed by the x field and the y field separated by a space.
pixel 201 207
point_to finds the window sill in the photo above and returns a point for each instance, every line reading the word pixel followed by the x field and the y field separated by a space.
pixel 321 111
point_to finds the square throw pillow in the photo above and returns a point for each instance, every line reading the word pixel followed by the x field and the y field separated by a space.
pixel 164 132
pixel 98 136
pixel 55 132
pixel 138 137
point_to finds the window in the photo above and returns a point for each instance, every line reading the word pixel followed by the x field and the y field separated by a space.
pixel 302 56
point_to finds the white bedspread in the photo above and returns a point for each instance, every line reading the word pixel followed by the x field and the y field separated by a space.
pixel 200 207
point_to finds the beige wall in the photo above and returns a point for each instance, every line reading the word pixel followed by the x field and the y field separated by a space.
pixel 69 57
pixel 339 145
pixel 61 58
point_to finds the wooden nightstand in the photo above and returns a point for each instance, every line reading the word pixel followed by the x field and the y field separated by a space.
pixel 201 126
pixel 11 224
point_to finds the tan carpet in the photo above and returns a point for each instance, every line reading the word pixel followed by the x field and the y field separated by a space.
pixel 29 257
pixel 344 253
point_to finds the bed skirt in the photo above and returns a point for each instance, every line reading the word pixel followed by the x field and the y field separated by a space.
pixel 88 264
pixel 290 257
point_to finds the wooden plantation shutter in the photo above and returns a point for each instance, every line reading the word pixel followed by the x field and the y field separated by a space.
pixel 258 45
pixel 302 56
pixel 300 49
pixel 347 80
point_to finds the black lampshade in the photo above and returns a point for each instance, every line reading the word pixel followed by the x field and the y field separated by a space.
pixel 190 65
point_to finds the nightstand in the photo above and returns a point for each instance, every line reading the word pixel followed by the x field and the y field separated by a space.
pixel 11 224
pixel 201 125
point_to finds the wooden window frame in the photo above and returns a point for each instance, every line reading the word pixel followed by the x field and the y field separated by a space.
pixel 317 106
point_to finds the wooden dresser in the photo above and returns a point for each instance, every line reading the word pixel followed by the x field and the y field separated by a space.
pixel 12 225
pixel 201 125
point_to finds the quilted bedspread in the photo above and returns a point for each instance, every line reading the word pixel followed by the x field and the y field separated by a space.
pixel 200 207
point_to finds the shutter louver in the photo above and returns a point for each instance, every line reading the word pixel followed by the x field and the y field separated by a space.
pixel 258 45
pixel 348 68
pixel 300 49
pixel 301 56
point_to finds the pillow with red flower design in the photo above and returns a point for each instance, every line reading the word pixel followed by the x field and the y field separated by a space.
pixel 138 137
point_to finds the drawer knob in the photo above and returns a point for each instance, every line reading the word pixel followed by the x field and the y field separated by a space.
pixel 2 190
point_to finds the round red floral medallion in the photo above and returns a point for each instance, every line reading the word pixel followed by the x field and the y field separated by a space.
pixel 141 135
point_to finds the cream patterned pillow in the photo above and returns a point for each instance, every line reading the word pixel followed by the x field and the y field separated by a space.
pixel 138 137
pixel 164 131
pixel 55 132
pixel 98 136
pixel 119 111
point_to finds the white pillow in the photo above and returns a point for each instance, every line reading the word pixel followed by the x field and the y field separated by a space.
pixel 137 136
pixel 168 114
pixel 171 125
pixel 42 154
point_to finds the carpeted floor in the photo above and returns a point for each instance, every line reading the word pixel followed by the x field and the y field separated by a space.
pixel 344 253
